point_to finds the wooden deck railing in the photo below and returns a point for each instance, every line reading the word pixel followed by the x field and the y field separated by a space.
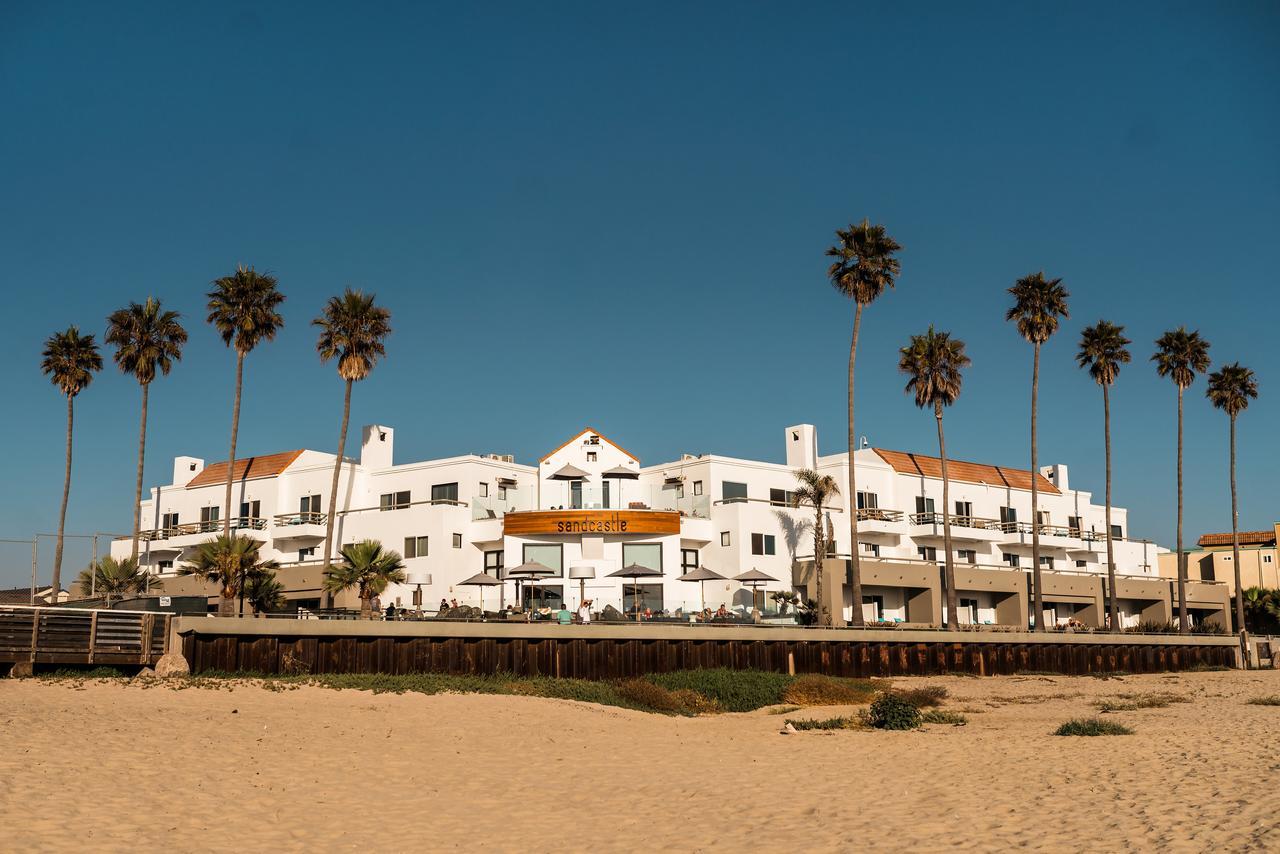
pixel 81 636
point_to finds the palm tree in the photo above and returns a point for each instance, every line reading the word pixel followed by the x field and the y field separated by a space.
pixel 934 362
pixel 110 577
pixel 352 330
pixel 1037 304
pixel 367 567
pixel 1181 355
pixel 147 338
pixel 1103 349
pixel 1231 387
pixel 231 561
pixel 865 265
pixel 816 490
pixel 242 307
pixel 265 593
pixel 70 361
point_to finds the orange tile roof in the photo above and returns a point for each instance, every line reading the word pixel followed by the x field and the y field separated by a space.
pixel 1247 538
pixel 584 431
pixel 919 464
pixel 245 469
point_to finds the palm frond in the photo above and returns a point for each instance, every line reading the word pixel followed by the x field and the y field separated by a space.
pixel 352 330
pixel 70 360
pixel 147 339
pixel 864 263
pixel 1103 349
pixel 934 364
pixel 1231 387
pixel 243 307
pixel 1038 303
pixel 1181 355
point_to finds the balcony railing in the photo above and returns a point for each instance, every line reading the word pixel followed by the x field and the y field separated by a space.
pixel 284 520
pixel 213 526
pixel 876 514
pixel 957 521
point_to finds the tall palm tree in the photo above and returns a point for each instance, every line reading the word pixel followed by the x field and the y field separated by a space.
pixel 243 308
pixel 231 561
pixel 1181 355
pixel 1103 349
pixel 147 339
pixel 1231 387
pixel 816 491
pixel 110 577
pixel 70 361
pixel 933 363
pixel 863 268
pixel 352 330
pixel 367 567
pixel 1038 303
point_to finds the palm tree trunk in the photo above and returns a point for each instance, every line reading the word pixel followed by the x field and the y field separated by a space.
pixel 1035 500
pixel 855 564
pixel 1184 625
pixel 333 491
pixel 66 493
pixel 137 491
pixel 1235 544
pixel 1113 608
pixel 949 573
pixel 819 548
pixel 231 456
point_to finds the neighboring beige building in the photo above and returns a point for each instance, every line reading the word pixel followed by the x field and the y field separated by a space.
pixel 1211 560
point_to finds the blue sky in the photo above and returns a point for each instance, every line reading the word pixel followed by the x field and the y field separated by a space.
pixel 655 183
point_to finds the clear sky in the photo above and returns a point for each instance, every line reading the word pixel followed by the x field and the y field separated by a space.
pixel 615 214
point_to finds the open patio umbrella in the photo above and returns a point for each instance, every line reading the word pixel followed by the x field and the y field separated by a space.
pixel 755 579
pixel 482 580
pixel 635 572
pixel 702 574
pixel 621 472
pixel 528 571
pixel 570 472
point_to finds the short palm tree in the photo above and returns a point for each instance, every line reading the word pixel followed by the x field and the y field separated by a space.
pixel 934 363
pixel 110 577
pixel 70 361
pixel 1181 355
pixel 147 339
pixel 367 567
pixel 231 561
pixel 863 268
pixel 1103 349
pixel 1231 387
pixel 352 330
pixel 816 491
pixel 243 308
pixel 265 594
pixel 1038 303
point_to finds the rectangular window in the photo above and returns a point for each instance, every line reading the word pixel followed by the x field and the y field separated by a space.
pixel 575 494
pixel 688 560
pixel 164 565
pixel 967 613
pixel 1008 514
pixel 924 505
pixel 493 562
pixel 643 554
pixel 679 490
pixel 1073 523
pixel 309 504
pixel 1116 533
pixel 781 497
pixel 870 549
pixel 731 491
pixel 591 456
pixel 604 494
pixel 250 510
pixel 502 493
pixel 208 519
pixel 964 509
pixel 1266 558
pixel 415 547
pixel 649 595
pixel 393 500
pixel 868 501
pixel 1042 516
pixel 927 553
pixel 697 487
pixel 1046 563
pixel 550 555
pixel 457 541
pixel 967 556
pixel 306 553
pixel 1012 560
pixel 762 544
pixel 169 521
pixel 1081 564
pixel 724 538
pixel 444 492
pixel 484 490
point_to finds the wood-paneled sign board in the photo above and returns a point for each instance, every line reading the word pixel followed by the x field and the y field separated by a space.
pixel 591 522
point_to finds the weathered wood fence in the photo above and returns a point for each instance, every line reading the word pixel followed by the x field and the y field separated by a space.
pixel 75 636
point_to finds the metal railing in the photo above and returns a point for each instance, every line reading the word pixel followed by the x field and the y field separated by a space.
pixel 877 514
pixel 284 520
pixel 212 526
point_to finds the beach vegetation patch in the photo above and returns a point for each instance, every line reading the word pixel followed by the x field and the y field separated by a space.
pixel 1270 700
pixel 927 696
pixel 845 722
pixel 733 690
pixel 815 690
pixel 890 711
pixel 942 716
pixel 1092 726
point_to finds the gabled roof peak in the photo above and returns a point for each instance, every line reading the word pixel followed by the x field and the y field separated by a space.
pixel 584 432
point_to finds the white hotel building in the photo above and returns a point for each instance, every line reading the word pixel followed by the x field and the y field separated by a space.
pixel 589 507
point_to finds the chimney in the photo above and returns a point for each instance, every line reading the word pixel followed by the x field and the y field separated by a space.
pixel 1057 475
pixel 802 446
pixel 184 469
pixel 375 446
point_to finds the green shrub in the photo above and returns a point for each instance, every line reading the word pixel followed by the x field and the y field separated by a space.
pixel 693 703
pixel 815 690
pixel 891 711
pixel 85 673
pixel 733 690
pixel 939 716
pixel 828 723
pixel 1270 700
pixel 923 697
pixel 1206 668
pixel 1092 726
pixel 644 693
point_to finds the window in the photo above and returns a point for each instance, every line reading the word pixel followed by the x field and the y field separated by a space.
pixel 870 549
pixel 250 510
pixel 604 493
pixel 208 519
pixel 731 491
pixel 924 505
pixel 502 493
pixel 967 555
pixel 781 497
pixel 724 538
pixel 688 560
pixel 927 553
pixel 547 554
pixel 868 501
pixel 1042 517
pixel 650 596
pixel 1266 558
pixel 1073 523
pixel 1012 560
pixel 164 564
pixel 415 547
pixel 642 554
pixel 493 562
pixel 1046 562
pixel 964 509
pixel 1081 564
pixel 457 541
pixel 306 553
pixel 444 492
pixel 575 494
pixel 484 490
pixel 1008 514
pixel 393 500
pixel 967 613
pixel 697 487
pixel 679 490
pixel 1116 533
pixel 309 504
pixel 762 544
pixel 169 520
pixel 591 456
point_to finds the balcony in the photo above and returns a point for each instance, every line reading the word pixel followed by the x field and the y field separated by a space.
pixel 874 520
pixel 1051 536
pixel 302 527
pixel 970 529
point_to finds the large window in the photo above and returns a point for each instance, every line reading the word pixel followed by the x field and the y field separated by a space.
pixel 697 487
pixel 924 505
pixel 1116 532
pixel 731 491
pixel 649 595
pixel 1008 514
pixel 415 547
pixel 309 504
pixel 688 560
pixel 964 509
pixel 870 549
pixel 1012 560
pixel 967 555
pixel 250 509
pixel 393 500
pixel 493 562
pixel 780 497
pixel 643 554
pixel 169 521
pixel 444 492
pixel 763 544
pixel 575 494
pixel 868 501
pixel 927 552
pixel 208 519
pixel 549 555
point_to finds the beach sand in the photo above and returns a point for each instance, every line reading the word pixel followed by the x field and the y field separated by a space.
pixel 110 766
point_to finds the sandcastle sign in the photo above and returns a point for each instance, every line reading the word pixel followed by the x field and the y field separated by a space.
pixel 591 522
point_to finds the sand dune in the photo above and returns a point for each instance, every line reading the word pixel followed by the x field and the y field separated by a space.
pixel 116 767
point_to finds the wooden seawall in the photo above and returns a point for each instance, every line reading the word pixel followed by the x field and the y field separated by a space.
pixel 53 636
pixel 616 651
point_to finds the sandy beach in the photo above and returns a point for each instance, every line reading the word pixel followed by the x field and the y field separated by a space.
pixel 113 766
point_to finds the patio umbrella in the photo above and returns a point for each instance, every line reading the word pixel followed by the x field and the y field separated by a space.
pixel 702 574
pixel 755 579
pixel 569 472
pixel 635 572
pixel 528 571
pixel 482 580
pixel 621 472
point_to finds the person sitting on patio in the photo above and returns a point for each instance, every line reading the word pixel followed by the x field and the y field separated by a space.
pixel 564 616
pixel 391 612
pixel 444 604
pixel 722 613
pixel 648 614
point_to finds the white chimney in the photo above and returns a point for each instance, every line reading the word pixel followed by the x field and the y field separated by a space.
pixel 1057 475
pixel 802 446
pixel 184 469
pixel 375 446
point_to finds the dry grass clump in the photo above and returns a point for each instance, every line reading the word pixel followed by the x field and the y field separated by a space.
pixel 1133 702
pixel 693 703
pixel 941 716
pixel 1270 700
pixel 644 693
pixel 851 722
pixel 923 697
pixel 815 690
pixel 1092 726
